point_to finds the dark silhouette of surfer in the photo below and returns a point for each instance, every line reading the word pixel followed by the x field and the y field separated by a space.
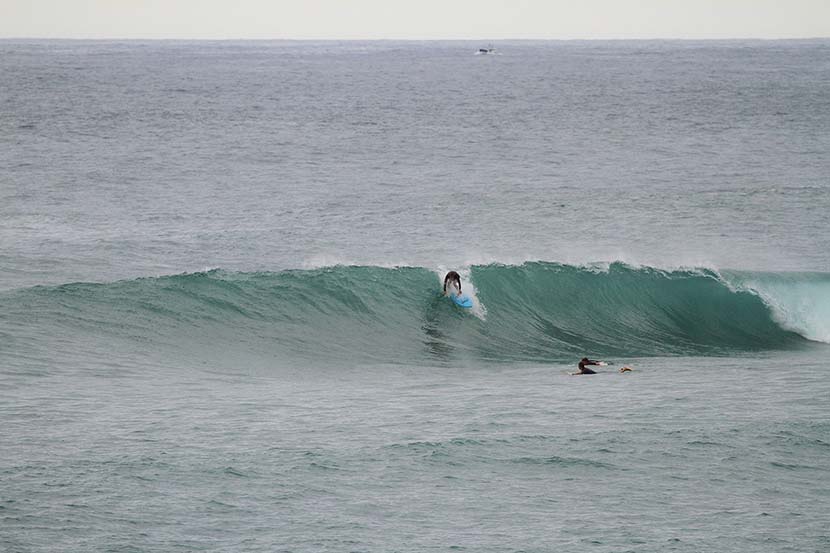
pixel 453 279
pixel 585 370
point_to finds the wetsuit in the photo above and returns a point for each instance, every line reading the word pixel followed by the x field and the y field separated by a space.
pixel 585 370
pixel 454 279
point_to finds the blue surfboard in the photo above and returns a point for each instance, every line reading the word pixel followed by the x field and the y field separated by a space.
pixel 462 300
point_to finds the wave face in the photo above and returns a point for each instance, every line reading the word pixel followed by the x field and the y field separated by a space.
pixel 356 315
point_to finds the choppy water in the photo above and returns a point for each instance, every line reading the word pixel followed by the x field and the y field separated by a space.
pixel 220 320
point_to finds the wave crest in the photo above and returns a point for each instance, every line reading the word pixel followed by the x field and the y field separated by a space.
pixel 537 311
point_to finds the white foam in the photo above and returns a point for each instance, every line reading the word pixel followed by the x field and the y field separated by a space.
pixel 324 261
pixel 799 302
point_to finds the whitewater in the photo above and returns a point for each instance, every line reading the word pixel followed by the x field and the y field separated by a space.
pixel 221 318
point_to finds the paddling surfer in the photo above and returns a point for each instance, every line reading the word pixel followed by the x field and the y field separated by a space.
pixel 583 369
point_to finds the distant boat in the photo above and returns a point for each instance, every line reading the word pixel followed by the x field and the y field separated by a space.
pixel 488 50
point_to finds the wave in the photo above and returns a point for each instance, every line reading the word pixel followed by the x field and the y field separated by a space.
pixel 535 312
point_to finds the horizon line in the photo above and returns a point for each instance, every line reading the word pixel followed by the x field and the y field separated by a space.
pixel 419 39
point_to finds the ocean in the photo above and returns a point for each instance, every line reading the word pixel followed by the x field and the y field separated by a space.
pixel 221 319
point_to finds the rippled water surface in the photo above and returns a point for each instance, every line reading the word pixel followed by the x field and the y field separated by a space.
pixel 221 326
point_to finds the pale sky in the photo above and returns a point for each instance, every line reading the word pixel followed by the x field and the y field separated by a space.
pixel 415 19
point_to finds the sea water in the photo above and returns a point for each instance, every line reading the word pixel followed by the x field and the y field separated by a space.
pixel 221 326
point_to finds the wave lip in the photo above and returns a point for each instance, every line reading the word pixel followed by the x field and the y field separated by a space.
pixel 799 302
pixel 352 315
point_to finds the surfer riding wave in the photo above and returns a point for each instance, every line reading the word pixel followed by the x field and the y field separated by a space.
pixel 454 280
